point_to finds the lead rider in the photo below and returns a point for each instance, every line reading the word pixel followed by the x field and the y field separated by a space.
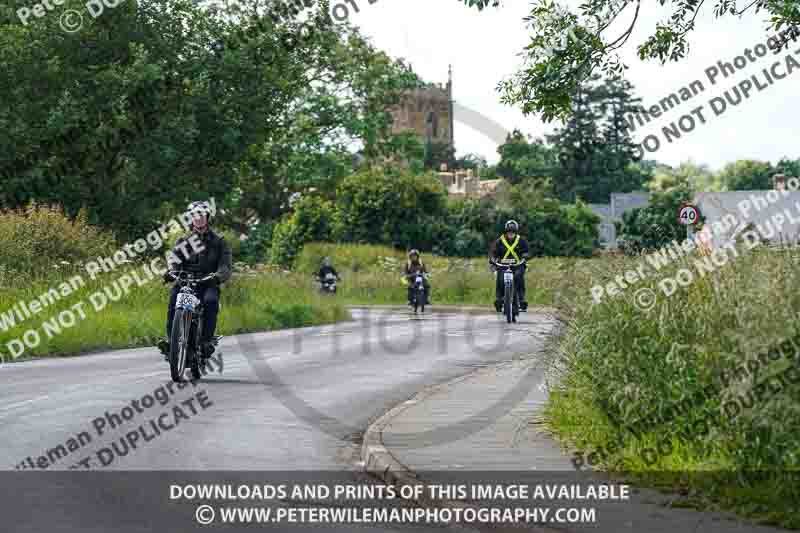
pixel 213 257
pixel 510 246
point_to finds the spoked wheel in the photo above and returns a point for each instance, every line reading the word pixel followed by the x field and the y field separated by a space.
pixel 508 303
pixel 195 364
pixel 179 344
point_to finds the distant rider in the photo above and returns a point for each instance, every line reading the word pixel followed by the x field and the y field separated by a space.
pixel 325 269
pixel 415 266
pixel 510 246
pixel 214 257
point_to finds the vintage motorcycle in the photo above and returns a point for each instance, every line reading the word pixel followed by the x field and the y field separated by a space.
pixel 418 299
pixel 187 328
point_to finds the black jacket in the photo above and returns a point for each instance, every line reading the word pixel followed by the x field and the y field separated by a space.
pixel 215 256
pixel 498 249
pixel 325 270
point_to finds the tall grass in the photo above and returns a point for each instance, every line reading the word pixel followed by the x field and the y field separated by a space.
pixel 618 363
pixel 248 303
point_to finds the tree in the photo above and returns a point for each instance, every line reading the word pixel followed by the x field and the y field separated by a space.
pixel 788 167
pixel 747 175
pixel 566 48
pixel 470 162
pixel 309 221
pixel 438 153
pixel 389 205
pixel 688 175
pixel 158 103
pixel 522 157
pixel 650 228
pixel 595 152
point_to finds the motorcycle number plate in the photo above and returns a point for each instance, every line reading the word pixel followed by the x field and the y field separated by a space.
pixel 508 276
pixel 187 301
pixel 419 279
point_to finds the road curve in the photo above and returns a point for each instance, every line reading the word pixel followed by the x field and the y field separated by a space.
pixel 288 401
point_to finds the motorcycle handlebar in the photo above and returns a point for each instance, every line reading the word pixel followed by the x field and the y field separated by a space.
pixel 185 275
pixel 506 265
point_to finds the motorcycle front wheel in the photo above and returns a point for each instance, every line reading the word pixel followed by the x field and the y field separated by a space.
pixel 508 305
pixel 179 344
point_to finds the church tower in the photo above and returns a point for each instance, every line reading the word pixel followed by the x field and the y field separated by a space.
pixel 428 112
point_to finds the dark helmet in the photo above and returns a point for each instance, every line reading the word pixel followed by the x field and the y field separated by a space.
pixel 512 225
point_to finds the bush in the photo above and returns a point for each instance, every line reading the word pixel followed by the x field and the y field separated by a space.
pixel 310 221
pixel 388 206
pixel 36 240
pixel 255 249
pixel 649 228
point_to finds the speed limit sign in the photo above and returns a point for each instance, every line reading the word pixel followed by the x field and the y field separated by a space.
pixel 688 215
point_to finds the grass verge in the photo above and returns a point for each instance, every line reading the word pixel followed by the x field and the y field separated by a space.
pixel 699 393
pixel 99 315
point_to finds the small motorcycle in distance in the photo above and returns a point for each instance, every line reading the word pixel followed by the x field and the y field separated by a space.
pixel 327 285
pixel 418 293
pixel 187 328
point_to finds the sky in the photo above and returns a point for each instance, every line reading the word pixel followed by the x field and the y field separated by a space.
pixel 483 49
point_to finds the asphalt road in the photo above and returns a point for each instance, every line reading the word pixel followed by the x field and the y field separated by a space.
pixel 285 402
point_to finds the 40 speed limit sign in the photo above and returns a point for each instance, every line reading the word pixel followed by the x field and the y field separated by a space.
pixel 688 215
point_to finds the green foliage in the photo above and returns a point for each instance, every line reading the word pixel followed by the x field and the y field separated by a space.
pixel 565 48
pixel 650 228
pixel 129 115
pixel 747 175
pixel 689 175
pixel 251 303
pixel 40 239
pixel 388 206
pixel 470 161
pixel 595 152
pixel 788 167
pixel 621 363
pixel 438 153
pixel 521 158
pixel 309 221
pixel 255 248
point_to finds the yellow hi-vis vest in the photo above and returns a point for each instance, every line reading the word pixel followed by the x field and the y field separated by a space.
pixel 510 248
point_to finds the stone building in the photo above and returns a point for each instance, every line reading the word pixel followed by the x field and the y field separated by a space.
pixel 463 183
pixel 428 112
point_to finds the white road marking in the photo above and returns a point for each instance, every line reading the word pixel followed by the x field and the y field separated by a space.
pixel 11 406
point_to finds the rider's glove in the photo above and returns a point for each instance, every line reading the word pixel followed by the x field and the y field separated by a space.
pixel 169 277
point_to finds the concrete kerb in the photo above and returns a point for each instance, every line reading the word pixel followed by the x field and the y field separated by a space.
pixel 381 463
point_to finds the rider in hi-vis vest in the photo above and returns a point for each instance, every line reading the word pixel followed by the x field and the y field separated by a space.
pixel 510 246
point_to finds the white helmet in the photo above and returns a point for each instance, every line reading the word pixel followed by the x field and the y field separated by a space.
pixel 200 208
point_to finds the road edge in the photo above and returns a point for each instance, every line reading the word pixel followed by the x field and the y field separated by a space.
pixel 379 462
